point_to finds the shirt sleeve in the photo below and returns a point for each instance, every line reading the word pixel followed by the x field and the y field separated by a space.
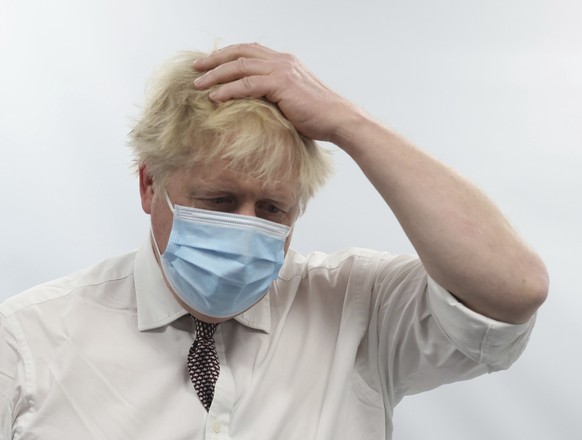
pixel 426 338
pixel 487 341
pixel 12 373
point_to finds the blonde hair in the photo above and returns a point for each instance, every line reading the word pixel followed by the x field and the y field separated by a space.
pixel 182 127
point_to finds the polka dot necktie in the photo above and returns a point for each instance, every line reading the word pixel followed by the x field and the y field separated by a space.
pixel 203 362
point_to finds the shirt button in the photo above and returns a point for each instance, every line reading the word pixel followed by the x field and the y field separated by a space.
pixel 216 427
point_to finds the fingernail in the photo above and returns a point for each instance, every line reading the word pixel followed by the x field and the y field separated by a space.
pixel 198 82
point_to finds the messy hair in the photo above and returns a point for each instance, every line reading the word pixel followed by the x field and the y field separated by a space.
pixel 181 127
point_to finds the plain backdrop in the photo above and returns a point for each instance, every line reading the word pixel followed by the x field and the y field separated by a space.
pixel 493 88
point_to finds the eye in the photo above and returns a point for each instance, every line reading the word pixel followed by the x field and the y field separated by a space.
pixel 272 209
pixel 269 208
pixel 221 203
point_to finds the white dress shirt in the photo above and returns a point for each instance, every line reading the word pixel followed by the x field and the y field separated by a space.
pixel 327 354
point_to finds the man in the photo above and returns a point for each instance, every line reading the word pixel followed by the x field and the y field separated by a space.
pixel 190 337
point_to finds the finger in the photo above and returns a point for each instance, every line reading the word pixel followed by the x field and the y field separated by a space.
pixel 246 87
pixel 233 70
pixel 231 53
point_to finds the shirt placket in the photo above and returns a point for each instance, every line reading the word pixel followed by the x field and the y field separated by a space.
pixel 219 415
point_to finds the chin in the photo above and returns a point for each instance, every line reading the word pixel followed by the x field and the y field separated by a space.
pixel 198 315
pixel 204 318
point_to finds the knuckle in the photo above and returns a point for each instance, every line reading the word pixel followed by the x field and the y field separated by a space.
pixel 289 73
pixel 287 55
pixel 289 58
pixel 241 64
pixel 247 83
pixel 288 78
pixel 289 66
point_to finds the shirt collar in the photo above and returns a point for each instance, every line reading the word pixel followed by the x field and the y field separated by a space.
pixel 156 306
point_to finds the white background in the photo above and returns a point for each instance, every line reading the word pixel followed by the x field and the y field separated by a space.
pixel 493 88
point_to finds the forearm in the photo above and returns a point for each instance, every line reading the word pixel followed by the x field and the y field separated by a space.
pixel 463 240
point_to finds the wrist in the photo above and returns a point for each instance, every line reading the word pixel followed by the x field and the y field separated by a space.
pixel 348 128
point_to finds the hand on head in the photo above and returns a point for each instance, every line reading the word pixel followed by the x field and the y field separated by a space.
pixel 251 70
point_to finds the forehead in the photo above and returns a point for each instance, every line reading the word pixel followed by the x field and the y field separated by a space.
pixel 217 175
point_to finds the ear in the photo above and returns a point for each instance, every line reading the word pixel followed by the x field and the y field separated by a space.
pixel 146 189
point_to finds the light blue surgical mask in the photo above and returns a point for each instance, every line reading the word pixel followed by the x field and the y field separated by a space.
pixel 220 264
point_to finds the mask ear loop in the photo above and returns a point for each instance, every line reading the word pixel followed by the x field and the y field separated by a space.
pixel 156 247
pixel 168 200
pixel 155 243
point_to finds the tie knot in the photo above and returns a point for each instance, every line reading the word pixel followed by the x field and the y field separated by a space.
pixel 204 330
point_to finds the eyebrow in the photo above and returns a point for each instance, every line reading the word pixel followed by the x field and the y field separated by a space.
pixel 281 196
